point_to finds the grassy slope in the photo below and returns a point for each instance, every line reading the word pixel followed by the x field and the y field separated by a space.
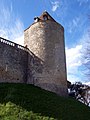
pixel 26 102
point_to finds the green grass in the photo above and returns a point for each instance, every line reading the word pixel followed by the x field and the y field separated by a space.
pixel 26 102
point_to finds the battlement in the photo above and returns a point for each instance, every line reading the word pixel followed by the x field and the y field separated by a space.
pixel 13 61
pixel 10 43
pixel 41 61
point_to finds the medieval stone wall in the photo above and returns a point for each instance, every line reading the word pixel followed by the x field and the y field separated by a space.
pixel 46 40
pixel 13 62
pixel 41 62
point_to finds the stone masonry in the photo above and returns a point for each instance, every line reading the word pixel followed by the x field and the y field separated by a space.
pixel 13 62
pixel 41 62
pixel 45 39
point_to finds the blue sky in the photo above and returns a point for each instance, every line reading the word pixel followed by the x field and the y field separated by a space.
pixel 17 15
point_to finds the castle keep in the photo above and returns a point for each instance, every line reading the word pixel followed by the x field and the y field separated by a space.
pixel 41 62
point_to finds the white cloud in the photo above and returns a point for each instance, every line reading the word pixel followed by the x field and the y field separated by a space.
pixel 87 83
pixel 11 27
pixel 74 24
pixel 19 40
pixel 75 61
pixel 82 1
pixel 76 21
pixel 55 5
pixel 73 55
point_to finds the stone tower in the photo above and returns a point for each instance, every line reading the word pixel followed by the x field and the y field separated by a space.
pixel 45 39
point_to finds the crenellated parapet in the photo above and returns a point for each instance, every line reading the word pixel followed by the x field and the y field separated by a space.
pixel 13 62
pixel 41 61
pixel 13 44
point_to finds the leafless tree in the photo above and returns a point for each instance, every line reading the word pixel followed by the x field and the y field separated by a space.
pixel 86 54
pixel 80 92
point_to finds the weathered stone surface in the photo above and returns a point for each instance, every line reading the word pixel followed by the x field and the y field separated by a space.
pixel 13 64
pixel 46 40
pixel 43 64
pixel 58 89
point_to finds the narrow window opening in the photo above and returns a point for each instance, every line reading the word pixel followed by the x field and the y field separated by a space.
pixel 45 17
